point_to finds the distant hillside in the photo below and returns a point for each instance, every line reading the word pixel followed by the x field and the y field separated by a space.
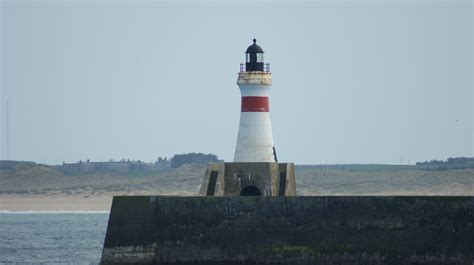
pixel 30 178
pixel 123 167
pixel 383 180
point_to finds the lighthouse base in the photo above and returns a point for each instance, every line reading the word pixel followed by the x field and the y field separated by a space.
pixel 290 230
pixel 249 179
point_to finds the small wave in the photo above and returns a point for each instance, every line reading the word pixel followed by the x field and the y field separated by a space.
pixel 52 212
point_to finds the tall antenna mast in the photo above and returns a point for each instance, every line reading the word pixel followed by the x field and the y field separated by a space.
pixel 8 133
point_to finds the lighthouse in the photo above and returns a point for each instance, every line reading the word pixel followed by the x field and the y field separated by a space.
pixel 255 170
pixel 255 138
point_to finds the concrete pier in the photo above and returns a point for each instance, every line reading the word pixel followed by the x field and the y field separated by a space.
pixel 261 178
pixel 290 230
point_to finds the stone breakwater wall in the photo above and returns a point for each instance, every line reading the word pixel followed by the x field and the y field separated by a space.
pixel 290 230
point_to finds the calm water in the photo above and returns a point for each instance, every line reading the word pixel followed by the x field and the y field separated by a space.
pixel 52 237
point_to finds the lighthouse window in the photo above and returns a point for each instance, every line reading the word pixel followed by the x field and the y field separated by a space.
pixel 248 57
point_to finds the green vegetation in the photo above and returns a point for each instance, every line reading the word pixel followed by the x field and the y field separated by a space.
pixel 139 174
pixel 450 163
pixel 360 167
pixel 192 158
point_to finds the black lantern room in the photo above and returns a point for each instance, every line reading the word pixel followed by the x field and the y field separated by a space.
pixel 254 58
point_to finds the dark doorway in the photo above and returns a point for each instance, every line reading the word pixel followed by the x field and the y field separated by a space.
pixel 212 183
pixel 281 190
pixel 250 191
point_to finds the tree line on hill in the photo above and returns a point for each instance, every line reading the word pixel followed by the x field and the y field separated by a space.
pixel 450 163
pixel 192 158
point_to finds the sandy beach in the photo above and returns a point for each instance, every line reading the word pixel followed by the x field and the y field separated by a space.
pixel 17 202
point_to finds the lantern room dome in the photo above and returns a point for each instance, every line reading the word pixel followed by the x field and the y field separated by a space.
pixel 254 48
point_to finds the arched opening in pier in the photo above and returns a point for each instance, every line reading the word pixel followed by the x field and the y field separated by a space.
pixel 250 191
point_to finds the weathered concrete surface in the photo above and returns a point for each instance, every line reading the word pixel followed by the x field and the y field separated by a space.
pixel 290 230
pixel 233 177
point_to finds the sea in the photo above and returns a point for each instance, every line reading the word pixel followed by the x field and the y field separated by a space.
pixel 52 237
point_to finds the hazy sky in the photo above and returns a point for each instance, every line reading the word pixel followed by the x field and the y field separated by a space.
pixel 353 82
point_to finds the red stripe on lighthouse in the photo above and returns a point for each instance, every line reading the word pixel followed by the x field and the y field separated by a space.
pixel 255 104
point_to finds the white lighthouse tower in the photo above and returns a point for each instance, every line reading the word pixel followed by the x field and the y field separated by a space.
pixel 255 138
pixel 255 170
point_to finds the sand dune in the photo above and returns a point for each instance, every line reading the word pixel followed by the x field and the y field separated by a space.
pixel 41 188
